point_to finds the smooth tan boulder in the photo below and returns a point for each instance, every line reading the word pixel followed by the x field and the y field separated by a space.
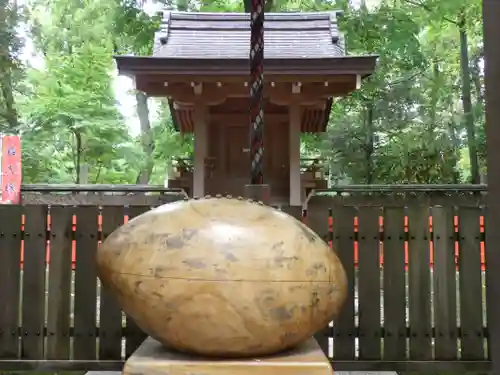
pixel 223 277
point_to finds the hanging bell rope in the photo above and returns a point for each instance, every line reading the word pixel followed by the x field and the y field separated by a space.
pixel 256 88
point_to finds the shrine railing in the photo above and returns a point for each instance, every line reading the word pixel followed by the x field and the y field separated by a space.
pixel 414 259
pixel 183 165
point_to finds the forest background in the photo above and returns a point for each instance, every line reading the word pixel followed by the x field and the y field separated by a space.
pixel 418 119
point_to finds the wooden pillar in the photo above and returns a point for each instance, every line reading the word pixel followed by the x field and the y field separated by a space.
pixel 200 117
pixel 294 146
pixel 491 13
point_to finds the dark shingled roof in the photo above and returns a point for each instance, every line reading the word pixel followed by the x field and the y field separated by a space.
pixel 191 35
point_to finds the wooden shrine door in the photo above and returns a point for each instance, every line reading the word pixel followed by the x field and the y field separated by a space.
pixel 277 159
pixel 237 152
pixel 232 150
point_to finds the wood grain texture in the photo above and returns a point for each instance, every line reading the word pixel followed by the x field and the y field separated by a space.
pixel 34 275
pixel 369 283
pixel 471 303
pixel 394 284
pixel 58 304
pixel 84 345
pixel 110 314
pixel 344 329
pixel 445 292
pixel 419 282
pixel 135 336
pixel 10 261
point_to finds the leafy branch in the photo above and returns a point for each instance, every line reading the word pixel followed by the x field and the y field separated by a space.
pixel 429 9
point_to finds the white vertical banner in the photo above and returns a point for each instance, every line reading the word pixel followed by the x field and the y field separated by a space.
pixel 10 169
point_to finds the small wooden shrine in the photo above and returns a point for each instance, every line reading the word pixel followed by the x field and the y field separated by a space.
pixel 200 64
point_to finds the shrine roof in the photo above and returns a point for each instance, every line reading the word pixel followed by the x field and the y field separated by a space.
pixel 193 35
pixel 219 43
pixel 197 47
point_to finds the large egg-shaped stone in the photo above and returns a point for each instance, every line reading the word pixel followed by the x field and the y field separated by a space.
pixel 223 277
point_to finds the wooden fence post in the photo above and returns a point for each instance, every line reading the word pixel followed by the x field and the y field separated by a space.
pixel 491 12
pixel 85 308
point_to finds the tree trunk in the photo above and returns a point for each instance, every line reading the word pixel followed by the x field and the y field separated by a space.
pixel 146 138
pixel 434 94
pixel 369 143
pixel 455 141
pixel 78 156
pixel 467 103
pixel 8 113
pixel 478 88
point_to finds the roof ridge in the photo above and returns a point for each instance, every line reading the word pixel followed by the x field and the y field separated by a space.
pixel 334 29
pixel 161 36
pixel 242 16
pixel 202 34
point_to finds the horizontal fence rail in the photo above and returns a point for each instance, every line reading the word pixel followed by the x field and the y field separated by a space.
pixel 78 188
pixel 416 273
pixel 453 188
pixel 120 195
pixel 409 188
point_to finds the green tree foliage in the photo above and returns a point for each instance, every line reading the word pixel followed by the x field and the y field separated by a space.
pixel 418 119
pixel 408 123
pixel 10 65
pixel 71 97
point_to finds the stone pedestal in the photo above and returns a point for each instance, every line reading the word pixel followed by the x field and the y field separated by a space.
pixel 151 358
